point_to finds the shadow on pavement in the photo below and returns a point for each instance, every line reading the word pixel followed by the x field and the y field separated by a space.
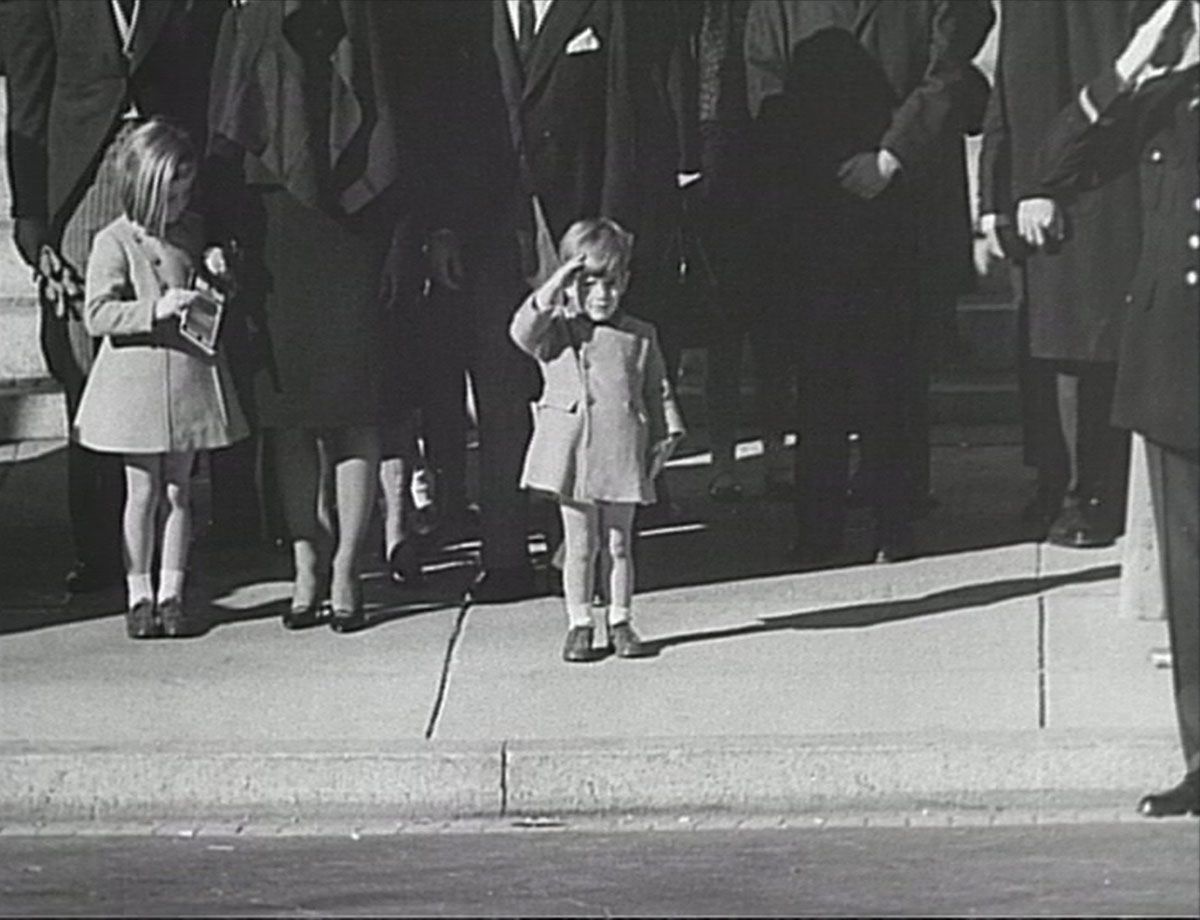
pixel 857 616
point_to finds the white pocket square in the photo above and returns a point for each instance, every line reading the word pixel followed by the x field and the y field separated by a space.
pixel 585 41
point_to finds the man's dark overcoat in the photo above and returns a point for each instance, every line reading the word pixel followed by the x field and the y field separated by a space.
pixel 831 78
pixel 1075 291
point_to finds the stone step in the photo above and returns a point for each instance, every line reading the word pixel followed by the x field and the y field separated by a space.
pixel 32 409
pixel 988 331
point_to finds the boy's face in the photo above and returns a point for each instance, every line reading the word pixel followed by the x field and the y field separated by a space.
pixel 597 289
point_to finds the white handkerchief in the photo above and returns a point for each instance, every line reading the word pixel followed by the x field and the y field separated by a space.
pixel 585 41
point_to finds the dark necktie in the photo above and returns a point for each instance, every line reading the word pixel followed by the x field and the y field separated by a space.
pixel 526 23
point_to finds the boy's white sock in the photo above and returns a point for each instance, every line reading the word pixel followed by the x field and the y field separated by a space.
pixel 170 584
pixel 139 588
pixel 579 615
pixel 618 615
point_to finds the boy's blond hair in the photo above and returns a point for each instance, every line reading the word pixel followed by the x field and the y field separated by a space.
pixel 599 236
pixel 150 158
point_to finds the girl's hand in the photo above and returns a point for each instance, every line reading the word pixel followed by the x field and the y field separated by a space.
pixel 173 302
pixel 552 290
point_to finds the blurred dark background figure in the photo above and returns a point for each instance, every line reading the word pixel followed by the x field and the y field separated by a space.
pixel 1071 286
pixel 1142 113
pixel 855 105
pixel 80 76
pixel 721 240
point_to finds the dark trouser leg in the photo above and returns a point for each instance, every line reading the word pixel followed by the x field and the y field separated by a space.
pixel 822 453
pixel 95 481
pixel 444 405
pixel 1103 448
pixel 883 347
pixel 504 429
pixel 1176 492
pixel 722 389
pixel 916 393
pixel 235 501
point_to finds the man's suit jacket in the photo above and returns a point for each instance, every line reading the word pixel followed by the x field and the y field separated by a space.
pixel 1157 132
pixel 828 79
pixel 562 127
pixel 69 84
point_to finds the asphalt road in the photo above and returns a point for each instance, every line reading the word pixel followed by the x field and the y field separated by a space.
pixel 1069 870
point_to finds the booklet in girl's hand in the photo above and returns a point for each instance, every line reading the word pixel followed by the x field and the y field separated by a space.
pixel 200 323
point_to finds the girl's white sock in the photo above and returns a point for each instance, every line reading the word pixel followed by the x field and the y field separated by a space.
pixel 617 615
pixel 139 588
pixel 170 584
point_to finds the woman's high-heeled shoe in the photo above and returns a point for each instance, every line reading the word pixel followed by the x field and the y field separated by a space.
pixel 349 619
pixel 304 616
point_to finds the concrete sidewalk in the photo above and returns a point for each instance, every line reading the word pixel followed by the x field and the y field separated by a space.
pixel 992 673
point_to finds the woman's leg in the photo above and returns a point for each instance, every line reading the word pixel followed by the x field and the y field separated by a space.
pixel 354 456
pixel 298 467
pixel 579 554
pixel 177 527
pixel 616 542
pixel 398 451
pixel 143 476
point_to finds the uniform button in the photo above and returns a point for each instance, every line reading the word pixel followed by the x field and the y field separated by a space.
pixel 1194 242
pixel 1192 279
pixel 591 400
pixel 1196 204
pixel 1156 155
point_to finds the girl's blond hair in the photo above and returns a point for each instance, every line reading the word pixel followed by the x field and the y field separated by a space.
pixel 602 237
pixel 150 158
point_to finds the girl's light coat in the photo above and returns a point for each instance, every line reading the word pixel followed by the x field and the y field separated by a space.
pixel 605 403
pixel 150 390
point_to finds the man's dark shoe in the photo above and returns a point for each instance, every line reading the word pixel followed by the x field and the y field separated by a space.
pixel 808 554
pixel 1183 799
pixel 404 563
pixel 174 622
pixel 502 586
pixel 893 543
pixel 578 647
pixel 85 578
pixel 140 622
pixel 627 644
pixel 1079 526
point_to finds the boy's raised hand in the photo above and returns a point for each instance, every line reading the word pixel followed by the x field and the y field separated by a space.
pixel 550 294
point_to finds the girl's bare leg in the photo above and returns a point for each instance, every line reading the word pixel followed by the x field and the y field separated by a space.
pixel 177 527
pixel 143 477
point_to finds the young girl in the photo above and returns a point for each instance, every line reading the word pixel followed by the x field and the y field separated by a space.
pixel 153 395
pixel 605 424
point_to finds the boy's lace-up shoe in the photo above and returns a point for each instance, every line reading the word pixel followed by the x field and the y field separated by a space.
pixel 627 643
pixel 578 647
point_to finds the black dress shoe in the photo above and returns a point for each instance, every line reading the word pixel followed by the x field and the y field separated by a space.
pixel 1079 526
pixel 893 543
pixel 347 620
pixel 578 647
pixel 404 563
pixel 85 578
pixel 501 586
pixel 302 617
pixel 810 554
pixel 1183 799
pixel 140 622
